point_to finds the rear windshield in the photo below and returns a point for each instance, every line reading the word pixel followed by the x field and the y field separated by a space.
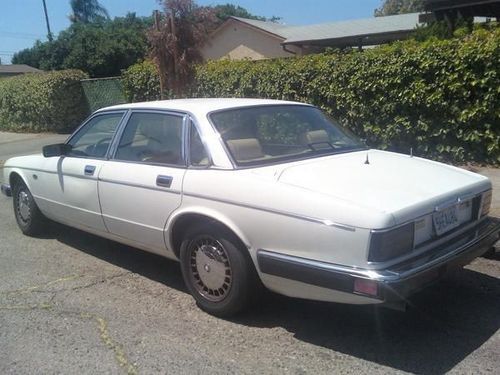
pixel 265 134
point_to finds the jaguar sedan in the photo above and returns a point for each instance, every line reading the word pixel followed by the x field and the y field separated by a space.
pixel 248 193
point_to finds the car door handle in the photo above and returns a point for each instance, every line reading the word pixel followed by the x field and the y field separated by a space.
pixel 89 170
pixel 164 181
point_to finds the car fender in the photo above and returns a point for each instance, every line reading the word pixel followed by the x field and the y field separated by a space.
pixel 23 173
pixel 209 213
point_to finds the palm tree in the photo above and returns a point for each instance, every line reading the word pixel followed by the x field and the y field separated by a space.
pixel 175 41
pixel 87 11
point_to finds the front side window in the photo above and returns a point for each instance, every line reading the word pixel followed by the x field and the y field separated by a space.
pixel 152 138
pixel 263 134
pixel 94 138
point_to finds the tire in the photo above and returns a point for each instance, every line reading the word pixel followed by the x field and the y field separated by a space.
pixel 218 270
pixel 28 216
pixel 490 254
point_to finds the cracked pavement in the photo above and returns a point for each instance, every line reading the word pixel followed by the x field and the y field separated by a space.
pixel 71 302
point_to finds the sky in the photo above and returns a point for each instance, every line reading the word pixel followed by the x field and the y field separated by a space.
pixel 22 22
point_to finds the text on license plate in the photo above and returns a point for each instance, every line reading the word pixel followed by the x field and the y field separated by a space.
pixel 446 220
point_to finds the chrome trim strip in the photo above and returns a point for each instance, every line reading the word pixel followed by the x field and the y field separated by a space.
pixel 164 165
pixel 141 186
pixel 458 200
pixel 30 169
pixel 82 176
pixel 347 270
pixel 385 275
pixel 97 214
pixel 118 135
pixel 273 211
pixel 91 117
pixel 123 126
pixel 142 225
pixel 185 139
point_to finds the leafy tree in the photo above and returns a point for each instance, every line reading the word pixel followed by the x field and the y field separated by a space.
pixel 392 7
pixel 87 11
pixel 101 49
pixel 224 11
pixel 176 39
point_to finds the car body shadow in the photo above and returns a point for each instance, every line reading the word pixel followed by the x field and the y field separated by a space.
pixel 151 266
pixel 444 324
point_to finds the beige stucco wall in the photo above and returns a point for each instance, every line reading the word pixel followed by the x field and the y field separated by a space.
pixel 237 41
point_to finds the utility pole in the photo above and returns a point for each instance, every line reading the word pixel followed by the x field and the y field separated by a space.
pixel 49 34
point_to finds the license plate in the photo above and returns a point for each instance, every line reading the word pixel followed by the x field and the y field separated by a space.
pixel 446 220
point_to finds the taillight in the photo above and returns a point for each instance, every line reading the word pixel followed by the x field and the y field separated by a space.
pixel 391 244
pixel 366 286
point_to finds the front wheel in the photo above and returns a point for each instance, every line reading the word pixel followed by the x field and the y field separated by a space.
pixel 29 218
pixel 218 270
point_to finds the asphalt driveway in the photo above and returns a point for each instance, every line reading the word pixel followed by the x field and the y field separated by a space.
pixel 16 144
pixel 71 302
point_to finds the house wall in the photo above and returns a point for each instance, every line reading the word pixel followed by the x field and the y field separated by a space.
pixel 237 41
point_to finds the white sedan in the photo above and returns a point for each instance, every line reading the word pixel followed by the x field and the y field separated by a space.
pixel 248 192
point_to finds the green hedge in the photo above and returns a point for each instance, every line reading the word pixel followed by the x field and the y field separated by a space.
pixel 40 102
pixel 141 82
pixel 441 98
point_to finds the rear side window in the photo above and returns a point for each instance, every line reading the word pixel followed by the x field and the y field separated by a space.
pixel 152 138
pixel 197 153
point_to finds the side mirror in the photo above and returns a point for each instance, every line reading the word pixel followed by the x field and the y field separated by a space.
pixel 58 149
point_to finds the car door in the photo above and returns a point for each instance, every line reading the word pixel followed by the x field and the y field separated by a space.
pixel 67 188
pixel 141 184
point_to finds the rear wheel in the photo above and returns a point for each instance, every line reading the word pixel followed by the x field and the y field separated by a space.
pixel 490 254
pixel 29 218
pixel 217 270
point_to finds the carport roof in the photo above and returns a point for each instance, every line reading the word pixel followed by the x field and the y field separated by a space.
pixel 326 33
pixel 352 29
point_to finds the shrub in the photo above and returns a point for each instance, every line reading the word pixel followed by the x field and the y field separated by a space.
pixel 141 82
pixel 439 97
pixel 40 102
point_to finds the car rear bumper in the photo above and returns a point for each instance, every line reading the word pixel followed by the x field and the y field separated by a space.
pixel 6 190
pixel 393 284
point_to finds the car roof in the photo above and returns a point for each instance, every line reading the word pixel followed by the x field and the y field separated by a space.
pixel 200 106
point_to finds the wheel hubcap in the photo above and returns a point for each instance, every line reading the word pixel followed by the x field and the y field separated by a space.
pixel 210 269
pixel 23 206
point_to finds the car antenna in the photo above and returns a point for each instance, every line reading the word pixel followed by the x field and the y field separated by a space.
pixel 367 161
pixel 411 152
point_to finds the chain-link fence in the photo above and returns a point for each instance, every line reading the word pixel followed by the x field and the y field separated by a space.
pixel 103 92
